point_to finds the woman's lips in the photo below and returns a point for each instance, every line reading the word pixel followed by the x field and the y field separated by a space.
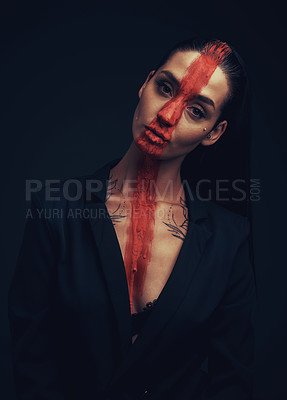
pixel 154 135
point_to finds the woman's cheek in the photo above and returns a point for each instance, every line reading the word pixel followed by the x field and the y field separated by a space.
pixel 186 137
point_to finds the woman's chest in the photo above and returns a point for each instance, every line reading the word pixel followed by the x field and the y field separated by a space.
pixel 167 235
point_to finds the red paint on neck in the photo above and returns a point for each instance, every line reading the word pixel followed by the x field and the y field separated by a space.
pixel 140 232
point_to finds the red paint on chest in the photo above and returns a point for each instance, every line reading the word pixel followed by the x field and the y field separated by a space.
pixel 140 231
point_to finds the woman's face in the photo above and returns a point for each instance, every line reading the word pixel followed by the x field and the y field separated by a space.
pixel 196 120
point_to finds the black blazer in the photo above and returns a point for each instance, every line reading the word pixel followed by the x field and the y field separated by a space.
pixel 70 317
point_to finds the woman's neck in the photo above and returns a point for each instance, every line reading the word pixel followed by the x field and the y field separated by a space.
pixel 165 177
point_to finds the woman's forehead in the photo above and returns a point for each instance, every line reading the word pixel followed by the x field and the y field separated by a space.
pixel 217 87
pixel 181 60
pixel 179 63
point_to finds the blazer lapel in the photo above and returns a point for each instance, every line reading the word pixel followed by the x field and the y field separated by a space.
pixel 178 283
pixel 110 254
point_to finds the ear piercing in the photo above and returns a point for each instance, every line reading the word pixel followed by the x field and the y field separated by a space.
pixel 209 135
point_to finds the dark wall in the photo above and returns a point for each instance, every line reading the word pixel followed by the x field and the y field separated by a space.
pixel 69 82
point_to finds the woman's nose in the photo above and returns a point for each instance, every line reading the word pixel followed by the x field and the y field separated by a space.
pixel 170 113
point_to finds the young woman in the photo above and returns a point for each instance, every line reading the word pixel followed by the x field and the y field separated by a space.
pixel 141 281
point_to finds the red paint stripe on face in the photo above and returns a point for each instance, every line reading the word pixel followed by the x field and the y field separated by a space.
pixel 152 143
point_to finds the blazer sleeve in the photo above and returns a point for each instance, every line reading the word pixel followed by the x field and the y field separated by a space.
pixel 31 310
pixel 231 359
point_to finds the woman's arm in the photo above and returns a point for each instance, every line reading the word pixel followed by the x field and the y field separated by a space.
pixel 231 351
pixel 32 315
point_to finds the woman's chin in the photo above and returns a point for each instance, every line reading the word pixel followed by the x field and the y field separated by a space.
pixel 154 150
pixel 148 149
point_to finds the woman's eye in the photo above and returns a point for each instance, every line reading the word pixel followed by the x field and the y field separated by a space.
pixel 196 112
pixel 164 88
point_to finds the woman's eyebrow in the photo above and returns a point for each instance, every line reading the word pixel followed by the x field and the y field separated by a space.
pixel 175 81
pixel 206 100
pixel 171 77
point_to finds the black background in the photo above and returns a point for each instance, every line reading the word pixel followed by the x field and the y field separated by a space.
pixel 69 76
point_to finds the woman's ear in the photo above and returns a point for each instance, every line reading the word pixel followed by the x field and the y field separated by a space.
pixel 150 75
pixel 215 134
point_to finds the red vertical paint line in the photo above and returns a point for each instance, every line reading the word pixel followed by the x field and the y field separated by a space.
pixel 140 232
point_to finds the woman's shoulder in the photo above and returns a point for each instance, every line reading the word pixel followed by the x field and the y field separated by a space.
pixel 223 220
pixel 73 191
pixel 224 213
pixel 66 192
